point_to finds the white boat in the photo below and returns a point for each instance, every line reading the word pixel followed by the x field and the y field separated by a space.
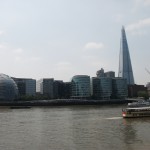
pixel 140 103
pixel 136 112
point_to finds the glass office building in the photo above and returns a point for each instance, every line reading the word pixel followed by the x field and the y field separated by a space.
pixel 105 88
pixel 125 67
pixel 45 87
pixel 101 88
pixel 80 86
pixel 26 86
pixel 8 88
pixel 120 89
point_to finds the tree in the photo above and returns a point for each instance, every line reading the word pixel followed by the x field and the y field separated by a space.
pixel 143 94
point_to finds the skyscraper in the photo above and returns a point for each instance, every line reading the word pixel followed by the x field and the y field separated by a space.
pixel 125 67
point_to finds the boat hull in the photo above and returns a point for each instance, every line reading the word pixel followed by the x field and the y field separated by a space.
pixel 135 115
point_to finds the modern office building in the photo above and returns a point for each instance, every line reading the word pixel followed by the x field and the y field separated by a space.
pixel 100 73
pixel 119 88
pixel 134 89
pixel 125 67
pixel 45 87
pixel 110 74
pixel 26 86
pixel 105 88
pixel 95 88
pixel 67 90
pixel 8 88
pixel 101 88
pixel 58 89
pixel 80 87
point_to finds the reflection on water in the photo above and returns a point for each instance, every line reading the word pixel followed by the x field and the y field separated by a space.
pixel 72 128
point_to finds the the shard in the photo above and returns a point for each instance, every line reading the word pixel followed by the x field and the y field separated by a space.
pixel 125 67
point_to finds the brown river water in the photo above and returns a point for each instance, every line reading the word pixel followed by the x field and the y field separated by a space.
pixel 72 128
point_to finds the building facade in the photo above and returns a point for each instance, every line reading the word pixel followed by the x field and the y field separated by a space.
pixel 134 89
pixel 45 87
pixel 80 87
pixel 58 89
pixel 26 86
pixel 100 73
pixel 119 88
pixel 105 88
pixel 95 88
pixel 125 67
pixel 110 74
pixel 148 88
pixel 101 88
pixel 67 90
pixel 8 88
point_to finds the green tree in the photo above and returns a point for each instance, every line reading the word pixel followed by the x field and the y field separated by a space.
pixel 143 94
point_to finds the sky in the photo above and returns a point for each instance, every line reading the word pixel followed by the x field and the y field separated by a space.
pixel 62 38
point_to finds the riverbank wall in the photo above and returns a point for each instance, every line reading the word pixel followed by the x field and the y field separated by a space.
pixel 61 102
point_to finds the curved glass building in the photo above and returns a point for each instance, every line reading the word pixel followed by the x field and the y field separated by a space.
pixel 80 86
pixel 8 88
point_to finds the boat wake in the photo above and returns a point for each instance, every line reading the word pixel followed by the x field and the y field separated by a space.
pixel 113 118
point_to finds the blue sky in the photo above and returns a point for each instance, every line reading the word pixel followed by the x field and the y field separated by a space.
pixel 62 38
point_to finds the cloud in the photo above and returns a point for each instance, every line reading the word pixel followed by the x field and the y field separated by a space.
pixel 2 32
pixel 2 46
pixel 63 66
pixel 146 2
pixel 18 50
pixel 118 18
pixel 140 4
pixel 18 59
pixel 94 45
pixel 138 26
pixel 89 57
pixel 35 58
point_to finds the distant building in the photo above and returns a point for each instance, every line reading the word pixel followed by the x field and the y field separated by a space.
pixel 67 90
pixel 95 88
pixel 100 73
pixel 8 88
pixel 80 87
pixel 58 89
pixel 110 74
pixel 119 88
pixel 125 67
pixel 106 86
pixel 148 88
pixel 45 87
pixel 101 88
pixel 134 89
pixel 26 86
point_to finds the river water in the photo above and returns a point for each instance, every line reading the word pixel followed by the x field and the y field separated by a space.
pixel 72 128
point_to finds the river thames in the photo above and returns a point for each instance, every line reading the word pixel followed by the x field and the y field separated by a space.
pixel 72 128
